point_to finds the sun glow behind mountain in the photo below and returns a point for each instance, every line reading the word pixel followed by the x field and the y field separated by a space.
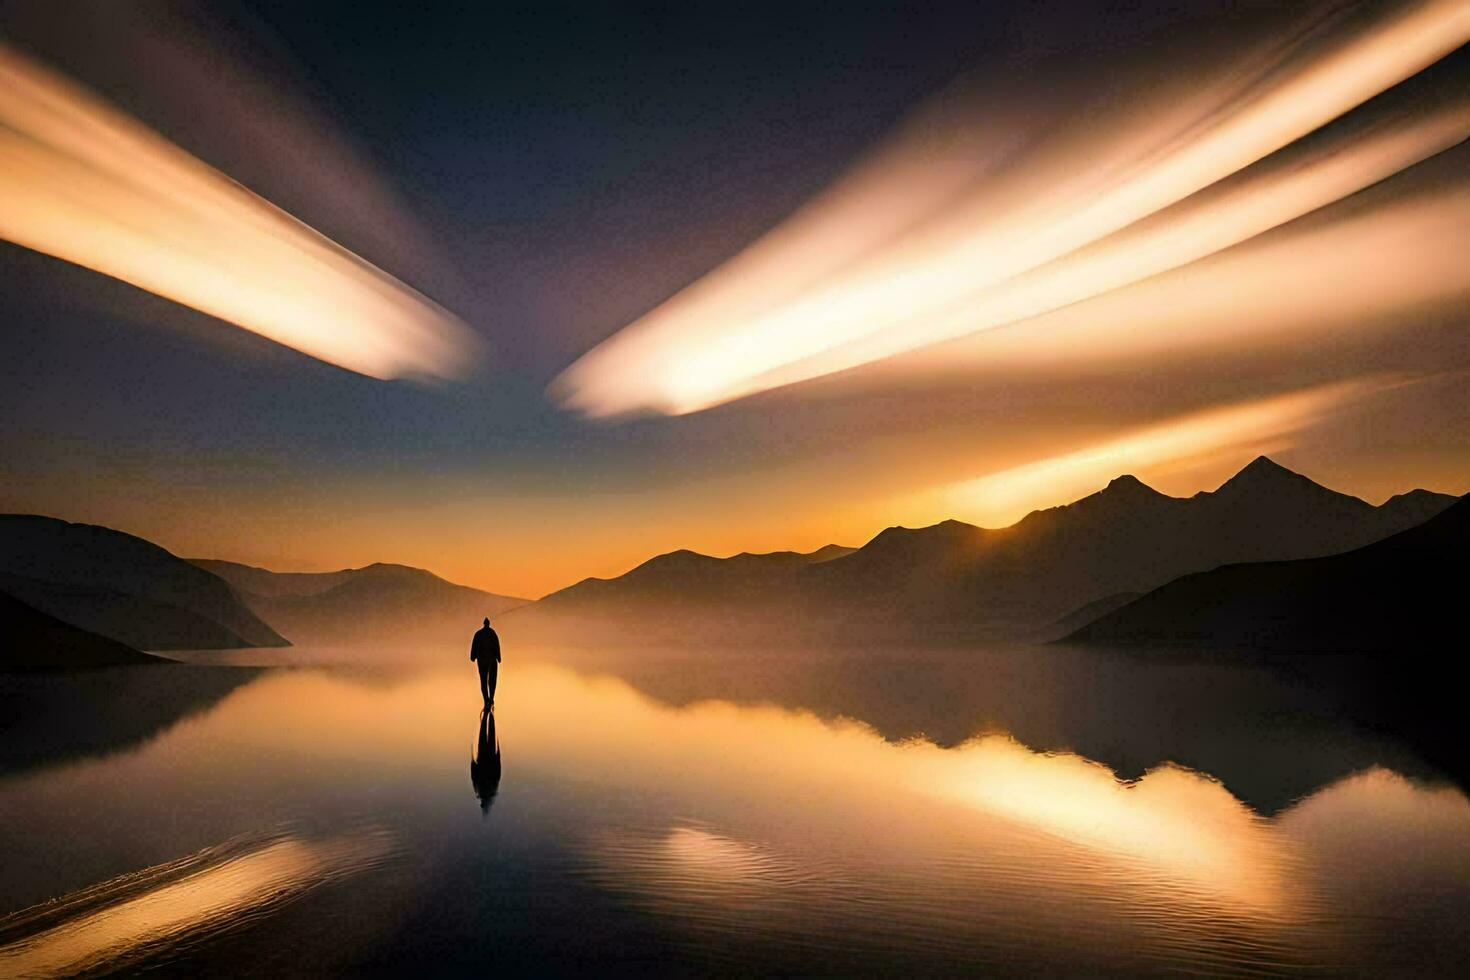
pixel 976 217
pixel 84 182
pixel 1191 441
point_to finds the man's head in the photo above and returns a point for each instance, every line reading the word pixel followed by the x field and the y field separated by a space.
pixel 487 620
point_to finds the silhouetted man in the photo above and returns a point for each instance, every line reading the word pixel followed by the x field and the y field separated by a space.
pixel 485 651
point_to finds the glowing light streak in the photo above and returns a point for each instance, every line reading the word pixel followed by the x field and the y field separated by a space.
pixel 1114 208
pixel 84 182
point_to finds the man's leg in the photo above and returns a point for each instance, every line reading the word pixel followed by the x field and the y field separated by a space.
pixel 485 691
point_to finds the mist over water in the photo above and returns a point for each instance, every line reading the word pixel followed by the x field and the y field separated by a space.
pixel 1012 810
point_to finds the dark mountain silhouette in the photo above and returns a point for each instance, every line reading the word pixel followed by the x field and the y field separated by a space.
pixel 30 639
pixel 1125 538
pixel 1094 610
pixel 1398 594
pixel 954 581
pixel 691 579
pixel 377 604
pixel 122 587
pixel 1415 507
pixel 827 552
pixel 268 584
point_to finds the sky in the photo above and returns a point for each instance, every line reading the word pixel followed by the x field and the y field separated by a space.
pixel 526 294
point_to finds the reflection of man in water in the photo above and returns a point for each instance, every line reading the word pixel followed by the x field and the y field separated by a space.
pixel 485 762
pixel 485 651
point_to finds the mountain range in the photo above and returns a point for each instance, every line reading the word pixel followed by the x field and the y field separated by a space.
pixel 1391 595
pixel 1124 565
pixel 953 581
pixel 377 604
pixel 122 587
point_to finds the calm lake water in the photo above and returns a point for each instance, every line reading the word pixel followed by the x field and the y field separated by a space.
pixel 1010 811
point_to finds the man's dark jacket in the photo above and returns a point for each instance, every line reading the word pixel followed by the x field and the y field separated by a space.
pixel 485 648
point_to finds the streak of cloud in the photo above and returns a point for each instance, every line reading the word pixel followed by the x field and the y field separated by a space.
pixel 84 182
pixel 1396 255
pixel 941 236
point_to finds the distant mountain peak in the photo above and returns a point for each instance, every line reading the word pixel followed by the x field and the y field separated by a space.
pixel 1419 493
pixel 829 552
pixel 945 528
pixel 1264 474
pixel 392 568
pixel 683 558
pixel 1125 491
pixel 1263 469
pixel 1415 506
pixel 389 572
pixel 686 554
pixel 1264 481
pixel 1128 483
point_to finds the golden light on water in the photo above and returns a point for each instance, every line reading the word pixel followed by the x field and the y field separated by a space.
pixel 1174 823
pixel 162 905
pixel 1172 820
pixel 751 820
pixel 876 268
pixel 84 182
